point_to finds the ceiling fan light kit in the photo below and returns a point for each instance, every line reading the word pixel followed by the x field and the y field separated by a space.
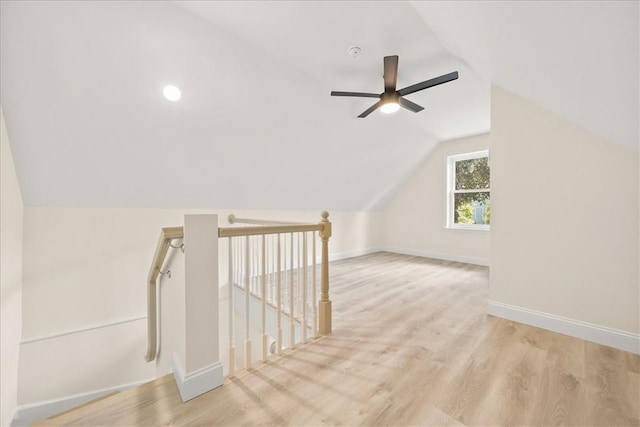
pixel 391 99
pixel 390 107
pixel 390 103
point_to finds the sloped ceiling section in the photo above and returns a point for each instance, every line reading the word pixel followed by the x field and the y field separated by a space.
pixel 81 86
pixel 577 59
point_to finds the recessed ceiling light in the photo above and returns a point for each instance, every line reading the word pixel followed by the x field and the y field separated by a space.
pixel 172 93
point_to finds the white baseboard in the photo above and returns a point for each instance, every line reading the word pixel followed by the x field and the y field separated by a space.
pixel 408 251
pixel 436 255
pixel 197 382
pixel 26 414
pixel 336 256
pixel 587 331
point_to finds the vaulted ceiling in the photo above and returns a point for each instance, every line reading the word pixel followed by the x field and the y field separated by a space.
pixel 81 91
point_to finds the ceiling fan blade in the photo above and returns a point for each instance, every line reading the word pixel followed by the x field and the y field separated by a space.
pixel 370 110
pixel 357 94
pixel 411 106
pixel 429 83
pixel 390 73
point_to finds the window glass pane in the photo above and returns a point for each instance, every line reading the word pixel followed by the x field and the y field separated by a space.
pixel 472 174
pixel 472 208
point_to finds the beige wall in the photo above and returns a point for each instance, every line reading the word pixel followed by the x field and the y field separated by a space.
pixel 88 267
pixel 564 231
pixel 414 220
pixel 11 217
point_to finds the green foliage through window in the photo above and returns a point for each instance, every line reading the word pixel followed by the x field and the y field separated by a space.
pixel 465 214
pixel 487 213
pixel 471 193
pixel 472 174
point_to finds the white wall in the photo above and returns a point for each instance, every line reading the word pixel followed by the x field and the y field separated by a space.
pixel 85 268
pixel 564 231
pixel 11 217
pixel 414 220
pixel 88 267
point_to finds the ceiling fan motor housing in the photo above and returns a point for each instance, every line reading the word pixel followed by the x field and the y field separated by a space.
pixel 390 98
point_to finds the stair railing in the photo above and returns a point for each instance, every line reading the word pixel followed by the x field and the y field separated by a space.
pixel 269 264
pixel 263 228
pixel 167 235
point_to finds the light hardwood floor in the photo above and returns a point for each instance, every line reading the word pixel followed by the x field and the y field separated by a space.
pixel 411 345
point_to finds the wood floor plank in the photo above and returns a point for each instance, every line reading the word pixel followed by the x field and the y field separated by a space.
pixel 412 345
pixel 634 395
pixel 608 386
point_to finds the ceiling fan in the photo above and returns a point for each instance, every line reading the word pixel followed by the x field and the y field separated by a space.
pixel 391 99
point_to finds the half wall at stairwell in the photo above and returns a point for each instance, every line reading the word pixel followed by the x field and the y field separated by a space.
pixel 85 274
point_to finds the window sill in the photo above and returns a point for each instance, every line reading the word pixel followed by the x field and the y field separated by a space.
pixel 479 227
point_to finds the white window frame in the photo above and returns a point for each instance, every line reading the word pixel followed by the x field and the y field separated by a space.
pixel 451 191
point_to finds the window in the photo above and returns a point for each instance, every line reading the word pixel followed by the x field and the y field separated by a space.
pixel 468 191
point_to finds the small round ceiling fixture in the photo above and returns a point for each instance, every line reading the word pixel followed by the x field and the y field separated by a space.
pixel 172 93
pixel 354 51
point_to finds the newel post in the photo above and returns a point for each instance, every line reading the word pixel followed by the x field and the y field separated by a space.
pixel 324 305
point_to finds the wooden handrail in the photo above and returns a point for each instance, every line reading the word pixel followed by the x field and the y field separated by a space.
pixel 233 219
pixel 268 229
pixel 162 248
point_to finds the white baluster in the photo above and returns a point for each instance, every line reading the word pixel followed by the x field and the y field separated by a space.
pixel 276 263
pixel 272 266
pixel 304 287
pixel 236 260
pixel 313 286
pixel 263 291
pixel 247 292
pixel 254 268
pixel 292 326
pixel 269 256
pixel 231 344
pixel 279 299
pixel 299 275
